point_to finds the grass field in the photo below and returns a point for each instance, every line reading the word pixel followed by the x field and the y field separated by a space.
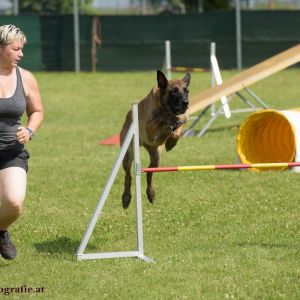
pixel 213 234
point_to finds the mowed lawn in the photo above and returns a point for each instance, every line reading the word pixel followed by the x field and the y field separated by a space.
pixel 212 234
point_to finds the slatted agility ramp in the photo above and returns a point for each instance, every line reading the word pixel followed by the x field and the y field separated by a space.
pixel 246 78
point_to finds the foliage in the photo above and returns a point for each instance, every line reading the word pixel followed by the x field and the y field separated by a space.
pixel 49 6
pixel 192 5
pixel 66 6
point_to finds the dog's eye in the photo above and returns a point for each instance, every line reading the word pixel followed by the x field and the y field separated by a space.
pixel 186 90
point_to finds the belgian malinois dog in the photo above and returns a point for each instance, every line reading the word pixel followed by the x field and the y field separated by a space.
pixel 162 114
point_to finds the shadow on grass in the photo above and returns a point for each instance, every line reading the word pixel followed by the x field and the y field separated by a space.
pixel 224 128
pixel 263 245
pixel 217 129
pixel 62 245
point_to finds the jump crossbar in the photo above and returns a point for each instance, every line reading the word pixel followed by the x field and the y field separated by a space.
pixel 188 69
pixel 221 167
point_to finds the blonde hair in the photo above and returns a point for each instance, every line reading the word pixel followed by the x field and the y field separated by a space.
pixel 9 33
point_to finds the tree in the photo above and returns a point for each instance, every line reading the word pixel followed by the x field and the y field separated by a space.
pixel 49 6
pixel 192 5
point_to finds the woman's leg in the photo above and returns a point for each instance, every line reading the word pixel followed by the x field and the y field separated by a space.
pixel 12 194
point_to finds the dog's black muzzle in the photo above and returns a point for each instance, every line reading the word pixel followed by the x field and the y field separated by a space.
pixel 179 106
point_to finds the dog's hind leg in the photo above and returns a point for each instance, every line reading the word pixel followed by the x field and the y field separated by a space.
pixel 154 153
pixel 127 162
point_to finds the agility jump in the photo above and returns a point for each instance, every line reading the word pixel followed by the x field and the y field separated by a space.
pixel 170 68
pixel 221 167
pixel 133 134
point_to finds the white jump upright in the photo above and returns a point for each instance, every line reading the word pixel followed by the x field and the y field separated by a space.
pixel 168 59
pixel 133 133
pixel 216 77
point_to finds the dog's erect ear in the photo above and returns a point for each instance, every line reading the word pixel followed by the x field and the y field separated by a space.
pixel 162 81
pixel 187 78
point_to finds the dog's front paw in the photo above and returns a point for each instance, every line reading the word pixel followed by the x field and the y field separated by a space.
pixel 170 143
pixel 173 126
pixel 150 194
pixel 126 198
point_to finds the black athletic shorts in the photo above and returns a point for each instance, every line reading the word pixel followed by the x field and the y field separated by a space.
pixel 14 158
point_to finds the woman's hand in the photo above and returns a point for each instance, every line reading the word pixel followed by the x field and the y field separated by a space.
pixel 23 135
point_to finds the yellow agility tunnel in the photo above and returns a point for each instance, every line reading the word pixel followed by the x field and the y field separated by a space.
pixel 270 136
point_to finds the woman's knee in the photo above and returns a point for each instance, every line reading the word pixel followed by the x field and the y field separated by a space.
pixel 12 205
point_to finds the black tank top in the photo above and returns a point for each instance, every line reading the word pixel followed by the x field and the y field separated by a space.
pixel 11 111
